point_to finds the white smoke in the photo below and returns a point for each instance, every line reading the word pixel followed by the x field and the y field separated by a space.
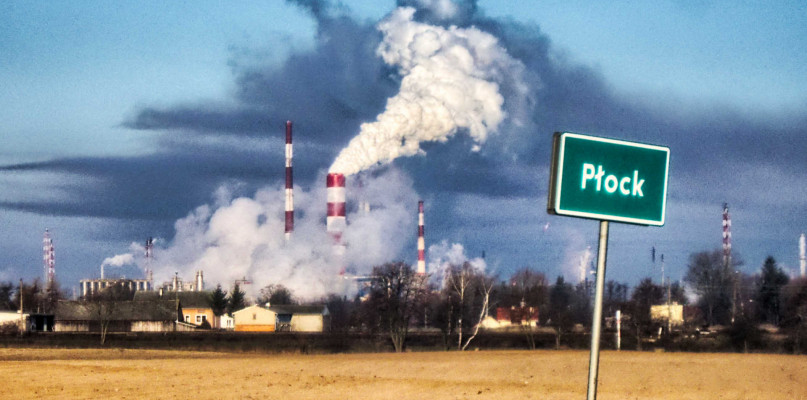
pixel 443 255
pixel 119 260
pixel 450 81
pixel 244 238
pixel 577 256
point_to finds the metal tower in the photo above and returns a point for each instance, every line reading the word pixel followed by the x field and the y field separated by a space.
pixel 48 258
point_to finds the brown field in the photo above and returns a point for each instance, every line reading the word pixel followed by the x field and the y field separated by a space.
pixel 152 374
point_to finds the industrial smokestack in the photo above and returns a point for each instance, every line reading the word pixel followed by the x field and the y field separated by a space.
pixel 802 256
pixel 289 184
pixel 335 220
pixel 149 254
pixel 726 235
pixel 200 281
pixel 421 270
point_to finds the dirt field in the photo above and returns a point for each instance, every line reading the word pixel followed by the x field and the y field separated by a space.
pixel 146 374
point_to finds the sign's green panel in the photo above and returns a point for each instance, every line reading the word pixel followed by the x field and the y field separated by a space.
pixel 608 179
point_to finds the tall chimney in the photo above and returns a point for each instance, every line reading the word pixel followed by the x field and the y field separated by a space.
pixel 335 220
pixel 726 236
pixel 149 249
pixel 289 184
pixel 421 242
pixel 802 256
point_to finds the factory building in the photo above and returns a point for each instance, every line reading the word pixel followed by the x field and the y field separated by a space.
pixel 91 287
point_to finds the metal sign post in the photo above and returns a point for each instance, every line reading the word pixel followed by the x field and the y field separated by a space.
pixel 596 322
pixel 607 180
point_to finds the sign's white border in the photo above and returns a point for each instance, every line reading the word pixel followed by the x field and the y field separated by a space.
pixel 559 181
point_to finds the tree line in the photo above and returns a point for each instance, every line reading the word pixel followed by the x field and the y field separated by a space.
pixel 396 300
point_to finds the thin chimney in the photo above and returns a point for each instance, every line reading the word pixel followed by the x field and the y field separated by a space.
pixel 421 268
pixel 289 184
pixel 335 220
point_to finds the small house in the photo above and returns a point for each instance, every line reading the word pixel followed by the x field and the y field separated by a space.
pixel 255 318
pixel 294 318
pixel 195 306
pixel 282 318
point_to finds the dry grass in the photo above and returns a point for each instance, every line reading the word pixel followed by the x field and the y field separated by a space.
pixel 130 374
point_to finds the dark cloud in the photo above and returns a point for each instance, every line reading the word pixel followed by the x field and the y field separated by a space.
pixel 202 119
pixel 160 186
pixel 331 89
pixel 340 83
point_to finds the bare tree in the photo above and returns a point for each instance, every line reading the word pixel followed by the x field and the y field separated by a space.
pixel 529 288
pixel 712 280
pixel 484 284
pixel 276 294
pixel 103 306
pixel 459 278
pixel 470 288
pixel 395 290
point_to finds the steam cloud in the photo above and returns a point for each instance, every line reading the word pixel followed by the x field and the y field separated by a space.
pixel 444 255
pixel 243 237
pixel 119 260
pixel 450 81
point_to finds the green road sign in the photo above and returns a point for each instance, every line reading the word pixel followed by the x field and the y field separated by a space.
pixel 609 180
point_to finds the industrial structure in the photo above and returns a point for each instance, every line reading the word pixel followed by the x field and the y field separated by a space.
pixel 90 287
pixel 726 235
pixel 149 255
pixel 289 184
pixel 421 268
pixel 802 256
pixel 335 220
pixel 48 256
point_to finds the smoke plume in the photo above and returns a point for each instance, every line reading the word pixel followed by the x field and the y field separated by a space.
pixel 443 255
pixel 118 260
pixel 450 80
pixel 243 237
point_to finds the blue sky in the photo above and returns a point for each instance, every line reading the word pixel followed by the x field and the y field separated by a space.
pixel 111 108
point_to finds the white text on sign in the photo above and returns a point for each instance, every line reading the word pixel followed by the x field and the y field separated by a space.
pixel 628 186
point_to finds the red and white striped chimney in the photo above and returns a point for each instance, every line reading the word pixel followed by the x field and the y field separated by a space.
pixel 289 184
pixel 726 235
pixel 421 269
pixel 48 258
pixel 335 220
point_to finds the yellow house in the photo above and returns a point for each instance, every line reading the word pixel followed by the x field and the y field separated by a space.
pixel 282 318
pixel 295 318
pixel 255 319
